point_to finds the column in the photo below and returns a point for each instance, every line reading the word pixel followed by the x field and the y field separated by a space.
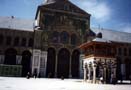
pixel 85 72
pixel 94 74
pixel 104 74
pixel 43 63
pixel 114 70
pixel 56 65
pixel 36 61
pixel 81 67
pixel 70 75
pixel 2 59
pixel 18 59
pixel 89 73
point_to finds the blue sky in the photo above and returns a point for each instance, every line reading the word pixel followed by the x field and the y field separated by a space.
pixel 111 14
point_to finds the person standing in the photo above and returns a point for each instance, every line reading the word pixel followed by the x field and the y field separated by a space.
pixel 28 75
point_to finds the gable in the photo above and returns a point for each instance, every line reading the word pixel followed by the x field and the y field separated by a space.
pixel 64 6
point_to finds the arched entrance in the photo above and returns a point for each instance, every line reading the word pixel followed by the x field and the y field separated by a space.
pixel 51 58
pixel 26 62
pixel 63 63
pixel 128 69
pixel 118 70
pixel 75 64
pixel 10 56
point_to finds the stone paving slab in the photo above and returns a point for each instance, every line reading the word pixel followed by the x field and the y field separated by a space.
pixel 8 83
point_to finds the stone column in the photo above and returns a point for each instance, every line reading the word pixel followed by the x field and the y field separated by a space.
pixel 104 74
pixel 43 62
pixel 85 72
pixel 18 59
pixel 114 71
pixel 89 73
pixel 36 61
pixel 81 67
pixel 2 59
pixel 94 74
pixel 70 74
pixel 56 62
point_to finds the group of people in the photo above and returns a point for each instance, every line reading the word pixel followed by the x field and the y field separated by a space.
pixel 29 75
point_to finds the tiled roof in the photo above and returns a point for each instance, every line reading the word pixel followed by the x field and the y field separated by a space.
pixel 16 23
pixel 112 35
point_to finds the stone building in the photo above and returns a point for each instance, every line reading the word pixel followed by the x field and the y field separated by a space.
pixel 49 45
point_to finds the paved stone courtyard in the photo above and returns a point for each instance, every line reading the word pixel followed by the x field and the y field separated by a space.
pixel 8 83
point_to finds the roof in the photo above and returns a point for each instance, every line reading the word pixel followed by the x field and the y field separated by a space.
pixel 116 36
pixel 60 5
pixel 16 23
pixel 101 40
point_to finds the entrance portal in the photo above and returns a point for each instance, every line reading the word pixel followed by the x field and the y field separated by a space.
pixel 75 64
pixel 51 63
pixel 63 63
pixel 10 56
pixel 26 59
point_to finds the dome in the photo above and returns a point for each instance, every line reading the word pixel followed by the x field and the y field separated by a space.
pixel 99 35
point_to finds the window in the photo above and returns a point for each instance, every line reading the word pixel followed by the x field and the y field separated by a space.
pixel 130 51
pixel 8 40
pixel 73 39
pixel 55 37
pixel 30 43
pixel 125 51
pixel 16 41
pixel 66 7
pixel 119 51
pixel 64 36
pixel 23 43
pixel 1 39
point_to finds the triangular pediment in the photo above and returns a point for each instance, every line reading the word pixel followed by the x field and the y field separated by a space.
pixel 65 6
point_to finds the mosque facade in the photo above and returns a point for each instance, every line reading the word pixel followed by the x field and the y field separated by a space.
pixel 49 46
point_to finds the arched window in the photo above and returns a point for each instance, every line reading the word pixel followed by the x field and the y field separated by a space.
pixel 8 40
pixel 1 39
pixel 16 41
pixel 55 37
pixel 23 43
pixel 10 56
pixel 73 39
pixel 30 43
pixel 64 37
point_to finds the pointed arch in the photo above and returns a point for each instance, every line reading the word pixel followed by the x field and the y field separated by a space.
pixel 75 64
pixel 63 63
pixel 51 59
pixel 26 62
pixel 64 37
pixel 10 56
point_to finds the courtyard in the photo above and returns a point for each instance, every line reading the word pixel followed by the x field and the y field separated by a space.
pixel 11 83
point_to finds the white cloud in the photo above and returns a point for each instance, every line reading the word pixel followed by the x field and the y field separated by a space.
pixel 125 27
pixel 99 10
